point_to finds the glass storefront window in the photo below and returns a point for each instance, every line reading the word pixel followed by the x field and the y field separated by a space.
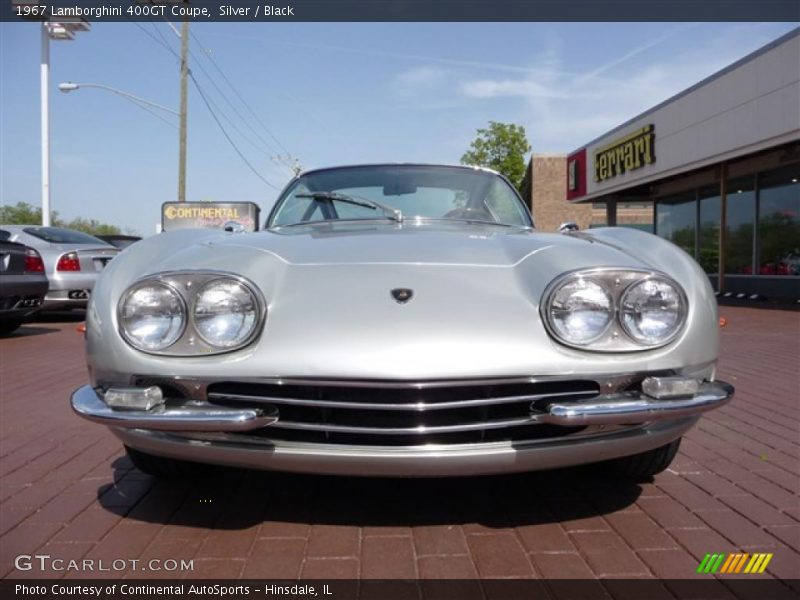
pixel 779 221
pixel 740 223
pixel 675 220
pixel 708 238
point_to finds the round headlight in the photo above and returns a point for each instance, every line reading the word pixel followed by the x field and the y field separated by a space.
pixel 152 316
pixel 652 311
pixel 580 311
pixel 225 313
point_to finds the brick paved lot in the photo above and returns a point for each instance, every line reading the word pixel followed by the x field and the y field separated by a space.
pixel 68 491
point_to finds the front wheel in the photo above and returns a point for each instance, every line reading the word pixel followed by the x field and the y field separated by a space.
pixel 644 465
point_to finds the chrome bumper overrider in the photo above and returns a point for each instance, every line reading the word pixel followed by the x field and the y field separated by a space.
pixel 87 404
pixel 621 408
pixel 637 407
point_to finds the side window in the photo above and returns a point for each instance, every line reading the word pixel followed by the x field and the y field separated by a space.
pixel 294 209
pixel 503 204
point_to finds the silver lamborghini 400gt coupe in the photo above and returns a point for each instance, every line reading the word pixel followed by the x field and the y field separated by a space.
pixel 401 320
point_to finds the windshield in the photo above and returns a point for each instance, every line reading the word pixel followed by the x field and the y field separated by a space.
pixel 56 235
pixel 428 192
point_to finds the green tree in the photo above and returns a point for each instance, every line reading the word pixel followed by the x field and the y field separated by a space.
pixel 502 147
pixel 91 226
pixel 23 213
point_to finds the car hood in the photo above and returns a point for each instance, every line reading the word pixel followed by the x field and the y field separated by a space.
pixel 330 312
pixel 409 243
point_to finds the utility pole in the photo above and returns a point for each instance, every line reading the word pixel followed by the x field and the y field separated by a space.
pixel 183 110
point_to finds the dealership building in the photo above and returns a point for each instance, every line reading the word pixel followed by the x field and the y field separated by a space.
pixel 715 169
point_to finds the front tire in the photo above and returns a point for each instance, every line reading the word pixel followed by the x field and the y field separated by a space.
pixel 643 466
pixel 167 468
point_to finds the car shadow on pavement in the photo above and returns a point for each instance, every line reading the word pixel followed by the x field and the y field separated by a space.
pixel 238 499
pixel 28 330
pixel 58 316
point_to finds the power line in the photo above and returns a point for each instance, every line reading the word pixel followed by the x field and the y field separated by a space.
pixel 164 43
pixel 210 104
pixel 163 39
pixel 227 136
pixel 154 113
pixel 208 55
pixel 268 148
pixel 161 42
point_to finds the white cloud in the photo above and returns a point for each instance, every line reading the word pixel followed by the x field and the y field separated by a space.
pixel 488 88
pixel 562 111
pixel 419 78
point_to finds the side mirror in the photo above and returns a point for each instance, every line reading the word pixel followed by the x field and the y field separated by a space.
pixel 234 227
pixel 568 226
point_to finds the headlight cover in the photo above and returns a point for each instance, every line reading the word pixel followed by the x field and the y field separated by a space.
pixel 614 309
pixel 218 312
pixel 652 311
pixel 225 313
pixel 580 311
pixel 152 316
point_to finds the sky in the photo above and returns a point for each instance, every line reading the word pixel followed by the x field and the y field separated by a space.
pixel 326 94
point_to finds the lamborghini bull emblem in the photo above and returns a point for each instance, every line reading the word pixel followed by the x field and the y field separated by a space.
pixel 402 295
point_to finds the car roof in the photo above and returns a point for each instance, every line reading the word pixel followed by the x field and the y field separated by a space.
pixel 356 166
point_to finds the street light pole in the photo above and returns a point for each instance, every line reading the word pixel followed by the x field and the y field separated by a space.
pixel 61 30
pixel 183 110
pixel 69 86
pixel 44 79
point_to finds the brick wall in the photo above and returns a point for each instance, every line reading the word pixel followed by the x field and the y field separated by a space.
pixel 548 194
pixel 625 216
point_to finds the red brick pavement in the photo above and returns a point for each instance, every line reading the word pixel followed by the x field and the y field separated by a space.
pixel 68 491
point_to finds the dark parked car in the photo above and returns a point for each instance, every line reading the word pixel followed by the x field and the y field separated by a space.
pixel 23 283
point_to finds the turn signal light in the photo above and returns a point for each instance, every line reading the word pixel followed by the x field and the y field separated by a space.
pixel 134 398
pixel 33 262
pixel 68 262
pixel 670 387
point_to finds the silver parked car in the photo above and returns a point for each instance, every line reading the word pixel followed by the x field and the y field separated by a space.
pixel 402 320
pixel 72 261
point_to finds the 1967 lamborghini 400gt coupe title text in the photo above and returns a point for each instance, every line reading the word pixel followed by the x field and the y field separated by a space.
pixel 402 320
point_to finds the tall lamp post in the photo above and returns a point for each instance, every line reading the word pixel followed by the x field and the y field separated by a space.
pixel 65 30
pixel 69 86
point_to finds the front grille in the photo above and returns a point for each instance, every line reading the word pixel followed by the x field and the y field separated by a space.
pixel 405 414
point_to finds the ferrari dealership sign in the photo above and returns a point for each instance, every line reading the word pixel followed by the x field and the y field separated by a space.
pixel 628 153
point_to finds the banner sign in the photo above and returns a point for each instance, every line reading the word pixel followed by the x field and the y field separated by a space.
pixel 209 215
pixel 401 10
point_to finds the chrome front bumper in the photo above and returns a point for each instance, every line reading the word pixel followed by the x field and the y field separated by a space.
pixel 208 433
pixel 612 409
pixel 406 461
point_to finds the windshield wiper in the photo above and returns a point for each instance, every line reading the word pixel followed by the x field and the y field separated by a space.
pixel 390 211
